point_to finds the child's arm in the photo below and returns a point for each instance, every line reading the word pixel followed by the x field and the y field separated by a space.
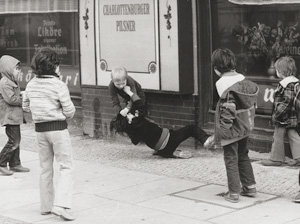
pixel 68 108
pixel 25 102
pixel 227 115
pixel 282 103
pixel 137 102
pixel 10 97
pixel 114 98
pixel 132 84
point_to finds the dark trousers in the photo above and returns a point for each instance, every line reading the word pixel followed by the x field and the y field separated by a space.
pixel 11 151
pixel 238 165
pixel 178 136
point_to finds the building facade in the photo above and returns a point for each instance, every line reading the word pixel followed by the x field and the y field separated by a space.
pixel 166 45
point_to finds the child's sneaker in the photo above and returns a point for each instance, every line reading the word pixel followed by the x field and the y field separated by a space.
pixel 231 197
pixel 249 192
pixel 182 154
pixel 297 198
pixel 210 141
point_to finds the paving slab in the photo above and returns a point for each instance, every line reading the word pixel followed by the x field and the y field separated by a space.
pixel 19 193
pixel 115 181
pixel 277 211
pixel 213 194
pixel 150 190
pixel 87 171
pixel 186 207
pixel 31 212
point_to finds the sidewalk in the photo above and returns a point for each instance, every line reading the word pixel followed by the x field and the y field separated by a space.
pixel 120 183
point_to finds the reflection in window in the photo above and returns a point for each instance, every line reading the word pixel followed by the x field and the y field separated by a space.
pixel 21 35
pixel 258 35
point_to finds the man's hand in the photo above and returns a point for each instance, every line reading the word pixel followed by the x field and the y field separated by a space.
pixel 128 91
pixel 124 112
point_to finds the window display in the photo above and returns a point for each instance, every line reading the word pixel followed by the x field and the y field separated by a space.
pixel 258 34
pixel 22 35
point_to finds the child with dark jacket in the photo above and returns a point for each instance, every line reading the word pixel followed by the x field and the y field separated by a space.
pixel 140 129
pixel 285 117
pixel 120 79
pixel 234 121
pixel 11 115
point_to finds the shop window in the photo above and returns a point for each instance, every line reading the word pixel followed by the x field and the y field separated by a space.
pixel 22 35
pixel 258 35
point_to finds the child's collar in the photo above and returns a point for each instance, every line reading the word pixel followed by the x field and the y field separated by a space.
pixel 288 80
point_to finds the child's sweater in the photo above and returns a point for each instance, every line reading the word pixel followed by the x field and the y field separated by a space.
pixel 49 101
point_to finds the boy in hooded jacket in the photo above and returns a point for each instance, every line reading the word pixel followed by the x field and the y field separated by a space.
pixel 11 115
pixel 234 121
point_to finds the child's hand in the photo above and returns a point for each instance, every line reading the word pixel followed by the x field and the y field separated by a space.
pixel 127 90
pixel 130 117
pixel 124 112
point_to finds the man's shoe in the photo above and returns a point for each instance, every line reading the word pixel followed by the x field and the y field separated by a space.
pixel 62 213
pixel 297 198
pixel 45 213
pixel 6 171
pixel 268 162
pixel 19 168
pixel 231 197
pixel 249 192
pixel 210 141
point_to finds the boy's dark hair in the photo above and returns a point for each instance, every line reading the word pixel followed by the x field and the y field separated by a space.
pixel 45 62
pixel 223 60
pixel 119 124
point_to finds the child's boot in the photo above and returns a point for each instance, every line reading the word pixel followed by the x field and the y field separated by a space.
pixel 297 198
pixel 231 197
pixel 249 191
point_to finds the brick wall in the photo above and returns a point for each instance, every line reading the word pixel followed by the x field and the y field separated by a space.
pixel 167 110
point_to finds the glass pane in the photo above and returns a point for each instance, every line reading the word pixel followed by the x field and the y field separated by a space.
pixel 13 36
pixel 22 35
pixel 258 35
pixel 54 30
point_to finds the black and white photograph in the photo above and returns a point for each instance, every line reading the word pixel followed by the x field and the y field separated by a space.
pixel 150 111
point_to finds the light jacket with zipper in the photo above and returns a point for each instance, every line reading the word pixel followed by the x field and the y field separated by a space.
pixel 235 110
pixel 11 112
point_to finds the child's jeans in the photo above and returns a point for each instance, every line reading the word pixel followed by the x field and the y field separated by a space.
pixel 11 151
pixel 178 136
pixel 238 166
pixel 277 151
pixel 55 144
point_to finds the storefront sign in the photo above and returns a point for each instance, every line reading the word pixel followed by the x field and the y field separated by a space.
pixel 127 34
pixel 128 38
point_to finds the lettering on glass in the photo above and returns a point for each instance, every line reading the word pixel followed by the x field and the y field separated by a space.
pixel 50 34
pixel 269 95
